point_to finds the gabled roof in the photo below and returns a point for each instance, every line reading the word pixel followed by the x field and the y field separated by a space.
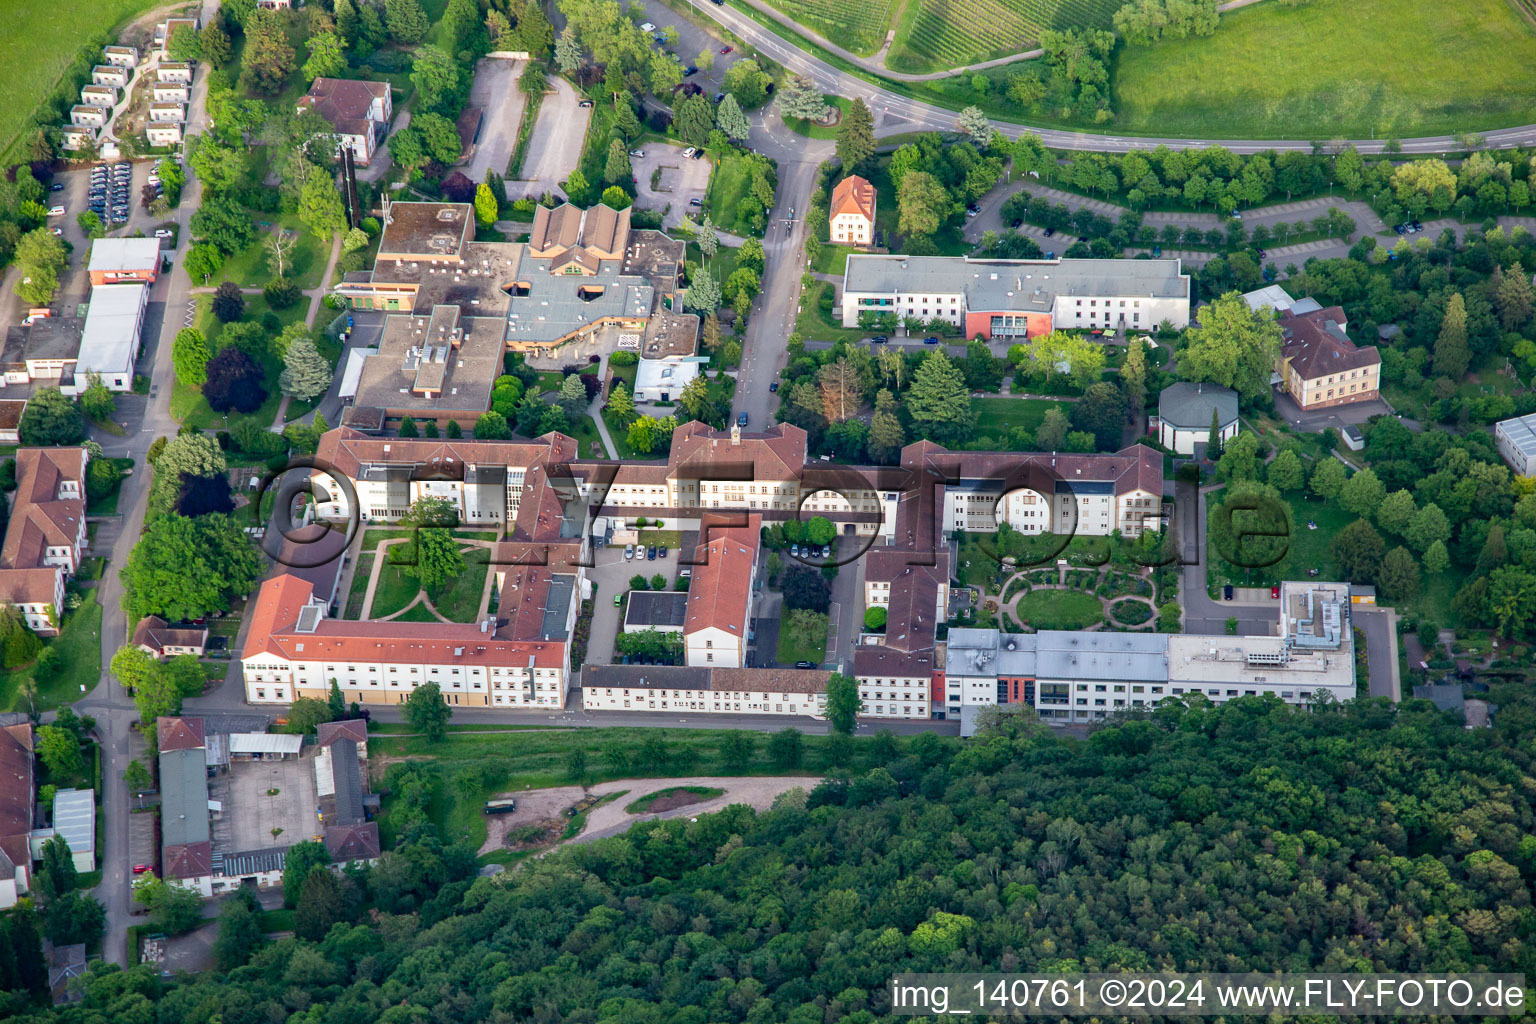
pixel 344 102
pixel 153 634
pixel 354 729
pixel 600 228
pixel 180 734
pixel 1137 467
pixel 189 860
pixel 16 795
pixel 774 454
pixel 1316 343
pixel 350 450
pixel 722 575
pixel 347 843
pixel 853 195
pixel 39 517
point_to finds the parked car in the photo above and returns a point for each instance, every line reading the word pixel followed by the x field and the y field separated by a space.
pixel 1049 232
pixel 727 49
pixel 690 71
pixel 139 869
pixel 661 552
pixel 698 154
pixel 57 186
pixel 648 27
pixel 971 209
pixel 773 386
pixel 932 339
pixel 650 553
pixel 696 201
pixel 719 96
pixel 880 339
pixel 1226 591
pixel 163 232
pixel 1237 215
pixel 58 231
pixel 55 211
pixel 1263 255
pixel 637 153
pixel 794 549
pixel 584 103
pixel 741 420
pixel 1050 254
pixel 629 551
pixel 618 599
pixel 805 664
pixel 1274 593
pixel 689 152
pixel 1015 223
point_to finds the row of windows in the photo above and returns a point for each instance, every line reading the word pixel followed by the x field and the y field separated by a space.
pixel 1135 304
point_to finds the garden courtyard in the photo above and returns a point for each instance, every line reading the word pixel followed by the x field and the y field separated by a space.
pixel 384 585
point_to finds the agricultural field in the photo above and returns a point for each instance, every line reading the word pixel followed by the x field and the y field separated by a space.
pixel 856 25
pixel 1389 67
pixel 31 70
pixel 934 35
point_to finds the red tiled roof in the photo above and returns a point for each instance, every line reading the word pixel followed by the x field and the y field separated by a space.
pixel 39 517
pixel 192 860
pixel 154 634
pixel 722 575
pixel 179 733
pixel 16 793
pixel 1315 351
pixel 352 842
pixel 774 454
pixel 853 195
pixel 349 450
pixel 354 729
pixel 276 607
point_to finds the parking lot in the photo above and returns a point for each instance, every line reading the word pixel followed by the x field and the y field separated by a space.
pixel 496 90
pixel 555 147
pixel 267 803
pixel 681 180
pixel 690 42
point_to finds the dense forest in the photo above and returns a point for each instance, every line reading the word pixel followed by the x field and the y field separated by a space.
pixel 1255 836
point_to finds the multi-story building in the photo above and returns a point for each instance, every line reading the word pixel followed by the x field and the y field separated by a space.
pixel 82 116
pixel 851 217
pixel 16 798
pixel 172 92
pixel 173 71
pixel 46 537
pixel 359 111
pixel 95 95
pixel 122 56
pixel 722 593
pixel 119 260
pixel 736 691
pixel 110 74
pixel 1320 366
pixel 163 134
pixel 167 113
pixel 1516 438
pixel 74 137
pixel 1185 412
pixel 1018 298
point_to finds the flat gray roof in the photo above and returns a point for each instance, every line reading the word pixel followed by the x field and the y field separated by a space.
pixel 111 336
pixel 74 818
pixel 562 590
pixel 413 354
pixel 554 306
pixel 1065 654
pixel 1521 431
pixel 1029 285
pixel 183 797
pixel 656 608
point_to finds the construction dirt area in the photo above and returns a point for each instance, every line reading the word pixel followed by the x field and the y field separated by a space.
pixel 542 815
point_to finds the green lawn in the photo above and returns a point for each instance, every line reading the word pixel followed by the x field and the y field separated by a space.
pixel 816 323
pixel 250 268
pixel 107 505
pixel 39 42
pixel 997 416
pixel 728 184
pixel 460 599
pixel 1335 68
pixel 794 647
pixel 820 131
pixel 79 646
pixel 1308 548
pixel 513 760
pixel 1059 609
pixel 187 403
pixel 833 259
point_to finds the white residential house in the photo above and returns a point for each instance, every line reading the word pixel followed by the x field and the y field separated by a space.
pixel 721 597
pixel 110 74
pixel 98 95
pixel 88 117
pixel 76 137
pixel 163 134
pixel 121 56
pixel 171 92
pixel 168 113
pixel 174 71
pixel 359 111
pixel 851 217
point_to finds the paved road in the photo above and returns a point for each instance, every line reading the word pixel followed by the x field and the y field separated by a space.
pixel 896 113
pixel 113 710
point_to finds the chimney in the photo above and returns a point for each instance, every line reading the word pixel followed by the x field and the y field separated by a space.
pixel 736 433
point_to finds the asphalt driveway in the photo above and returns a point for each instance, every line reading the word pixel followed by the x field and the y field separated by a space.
pixel 554 151
pixel 495 90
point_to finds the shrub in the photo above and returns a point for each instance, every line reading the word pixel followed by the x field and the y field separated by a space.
pixel 282 293
pixel 228 302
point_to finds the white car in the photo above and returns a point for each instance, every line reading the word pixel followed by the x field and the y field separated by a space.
pixel 163 233
pixel 687 155
pixel 638 153
pixel 55 211
pixel 647 27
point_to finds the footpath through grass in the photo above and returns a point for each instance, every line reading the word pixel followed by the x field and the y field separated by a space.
pixel 1335 68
